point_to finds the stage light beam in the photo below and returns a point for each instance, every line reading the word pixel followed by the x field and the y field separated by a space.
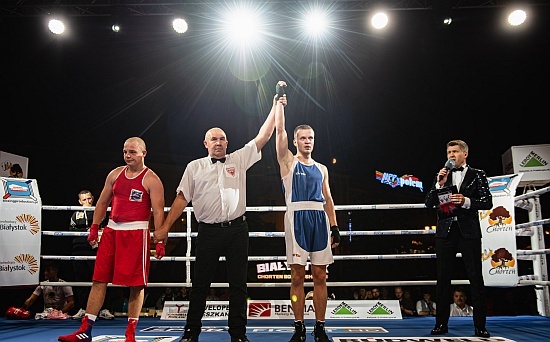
pixel 315 23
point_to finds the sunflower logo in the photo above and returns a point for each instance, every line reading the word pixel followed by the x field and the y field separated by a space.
pixel 30 220
pixel 28 260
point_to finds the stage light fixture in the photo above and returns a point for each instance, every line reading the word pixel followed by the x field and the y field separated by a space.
pixel 379 20
pixel 56 26
pixel 316 23
pixel 447 21
pixel 179 25
pixel 517 17
pixel 115 28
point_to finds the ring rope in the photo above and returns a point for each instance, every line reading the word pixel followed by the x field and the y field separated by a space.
pixel 521 230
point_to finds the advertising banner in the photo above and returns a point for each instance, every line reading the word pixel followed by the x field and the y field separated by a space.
pixel 282 309
pixel 20 231
pixel 12 165
pixel 499 234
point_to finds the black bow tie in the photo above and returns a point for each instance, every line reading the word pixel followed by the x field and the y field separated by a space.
pixel 221 160
pixel 458 169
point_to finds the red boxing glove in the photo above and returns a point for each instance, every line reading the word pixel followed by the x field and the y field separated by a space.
pixel 94 233
pixel 159 249
pixel 17 313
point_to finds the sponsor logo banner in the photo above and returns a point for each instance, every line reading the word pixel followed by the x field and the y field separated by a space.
pixel 421 339
pixel 282 309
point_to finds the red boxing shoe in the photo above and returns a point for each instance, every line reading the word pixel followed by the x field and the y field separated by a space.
pixel 84 334
pixel 131 331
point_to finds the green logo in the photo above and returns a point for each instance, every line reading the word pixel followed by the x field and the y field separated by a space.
pixel 380 309
pixel 343 309
pixel 533 160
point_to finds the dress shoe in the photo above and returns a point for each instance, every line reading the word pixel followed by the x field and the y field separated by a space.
pixel 482 332
pixel 188 337
pixel 440 329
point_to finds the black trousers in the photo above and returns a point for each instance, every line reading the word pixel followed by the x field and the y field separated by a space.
pixel 212 242
pixel 446 249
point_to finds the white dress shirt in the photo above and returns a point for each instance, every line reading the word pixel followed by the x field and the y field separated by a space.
pixel 218 190
pixel 457 311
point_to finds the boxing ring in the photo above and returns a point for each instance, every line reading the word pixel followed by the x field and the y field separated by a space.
pixel 355 330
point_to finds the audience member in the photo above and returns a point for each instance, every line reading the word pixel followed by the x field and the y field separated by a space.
pixel 168 295
pixel 459 307
pixel 375 293
pixel 385 293
pixel 182 294
pixel 368 295
pixel 224 294
pixel 56 297
pixel 356 295
pixel 406 304
pixel 212 294
pixel 425 306
pixel 362 293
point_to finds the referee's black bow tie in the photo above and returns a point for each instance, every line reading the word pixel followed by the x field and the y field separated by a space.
pixel 458 169
pixel 221 160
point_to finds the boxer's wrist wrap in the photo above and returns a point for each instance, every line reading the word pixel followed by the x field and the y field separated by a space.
pixel 335 233
pixel 94 232
pixel 159 248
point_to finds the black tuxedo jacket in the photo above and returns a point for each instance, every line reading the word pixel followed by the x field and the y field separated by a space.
pixel 474 186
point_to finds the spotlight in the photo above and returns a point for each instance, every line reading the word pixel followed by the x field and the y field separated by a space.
pixel 447 21
pixel 115 28
pixel 517 17
pixel 379 20
pixel 56 26
pixel 180 25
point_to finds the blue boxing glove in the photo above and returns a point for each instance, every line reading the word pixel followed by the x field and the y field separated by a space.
pixel 335 234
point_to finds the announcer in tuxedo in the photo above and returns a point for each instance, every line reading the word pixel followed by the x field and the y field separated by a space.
pixel 459 230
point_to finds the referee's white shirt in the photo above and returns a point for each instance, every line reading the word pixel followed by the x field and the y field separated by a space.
pixel 218 190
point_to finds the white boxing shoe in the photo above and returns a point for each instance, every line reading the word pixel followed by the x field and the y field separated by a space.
pixel 79 314
pixel 106 314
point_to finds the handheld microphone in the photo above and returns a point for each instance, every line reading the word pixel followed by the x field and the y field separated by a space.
pixel 449 165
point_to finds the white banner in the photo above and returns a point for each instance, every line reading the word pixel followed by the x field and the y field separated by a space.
pixel 498 233
pixel 282 309
pixel 20 231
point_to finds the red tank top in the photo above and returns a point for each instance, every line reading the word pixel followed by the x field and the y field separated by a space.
pixel 131 202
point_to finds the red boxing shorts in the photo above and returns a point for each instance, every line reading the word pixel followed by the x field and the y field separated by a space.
pixel 123 257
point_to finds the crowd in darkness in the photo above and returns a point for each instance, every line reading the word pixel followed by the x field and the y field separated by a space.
pixel 511 301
